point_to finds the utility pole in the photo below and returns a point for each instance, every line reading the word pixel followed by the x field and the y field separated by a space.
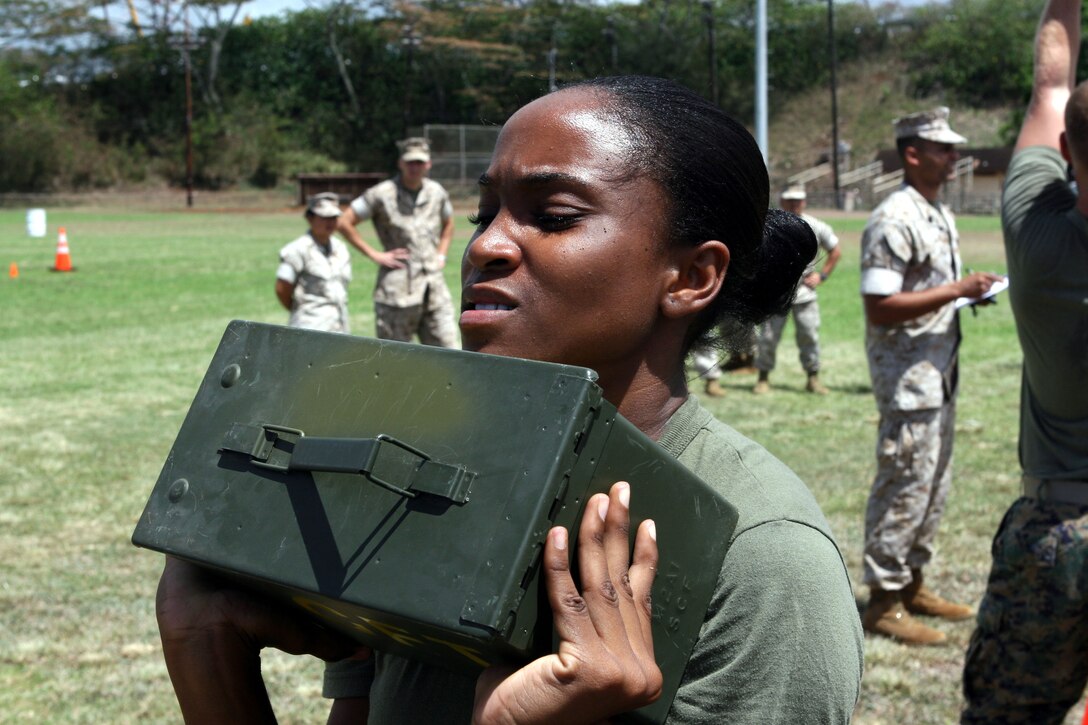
pixel 186 45
pixel 834 103
pixel 188 116
pixel 711 55
pixel 409 39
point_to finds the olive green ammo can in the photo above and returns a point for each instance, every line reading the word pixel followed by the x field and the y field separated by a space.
pixel 401 494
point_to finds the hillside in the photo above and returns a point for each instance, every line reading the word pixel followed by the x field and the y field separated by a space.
pixel 871 94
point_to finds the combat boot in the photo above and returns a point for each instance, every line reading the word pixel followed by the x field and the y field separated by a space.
pixel 714 389
pixel 920 599
pixel 886 616
pixel 815 386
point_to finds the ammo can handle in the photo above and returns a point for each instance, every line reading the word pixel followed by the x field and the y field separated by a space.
pixel 283 449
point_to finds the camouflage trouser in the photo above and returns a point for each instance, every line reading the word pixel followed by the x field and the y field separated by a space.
pixel 1028 658
pixel 913 475
pixel 706 361
pixel 433 320
pixel 806 321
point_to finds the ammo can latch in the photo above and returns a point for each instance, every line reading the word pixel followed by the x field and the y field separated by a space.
pixel 283 449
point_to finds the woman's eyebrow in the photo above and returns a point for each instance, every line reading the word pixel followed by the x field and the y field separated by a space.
pixel 542 178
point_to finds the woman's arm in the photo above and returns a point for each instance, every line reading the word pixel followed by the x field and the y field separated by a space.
pixel 212 636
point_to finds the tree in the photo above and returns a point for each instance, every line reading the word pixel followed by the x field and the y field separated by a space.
pixel 977 51
pixel 46 23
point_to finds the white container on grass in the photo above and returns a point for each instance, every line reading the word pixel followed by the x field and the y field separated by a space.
pixel 35 222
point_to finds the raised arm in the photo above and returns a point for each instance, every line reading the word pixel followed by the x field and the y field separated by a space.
pixel 1057 43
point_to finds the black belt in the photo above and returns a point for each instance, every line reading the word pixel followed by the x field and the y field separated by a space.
pixel 1049 489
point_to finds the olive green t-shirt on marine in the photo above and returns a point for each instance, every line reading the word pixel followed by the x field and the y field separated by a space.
pixel 781 643
pixel 1046 246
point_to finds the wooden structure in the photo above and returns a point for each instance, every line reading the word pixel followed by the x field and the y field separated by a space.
pixel 348 185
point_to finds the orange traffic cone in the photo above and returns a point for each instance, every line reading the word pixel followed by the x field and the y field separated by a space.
pixel 64 257
pixel 13 270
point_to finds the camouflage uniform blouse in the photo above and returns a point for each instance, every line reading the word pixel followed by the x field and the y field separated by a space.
pixel 321 276
pixel 827 240
pixel 404 219
pixel 911 245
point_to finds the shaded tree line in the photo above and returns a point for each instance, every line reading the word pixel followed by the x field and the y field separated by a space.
pixel 87 101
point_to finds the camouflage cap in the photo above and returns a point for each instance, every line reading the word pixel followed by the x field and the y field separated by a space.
pixel 930 125
pixel 793 193
pixel 326 204
pixel 414 149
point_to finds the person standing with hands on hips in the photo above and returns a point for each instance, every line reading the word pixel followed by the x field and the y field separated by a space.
pixel 1027 661
pixel 413 218
pixel 805 308
pixel 910 279
pixel 315 270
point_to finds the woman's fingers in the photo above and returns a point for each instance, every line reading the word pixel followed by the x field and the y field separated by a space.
pixel 642 573
pixel 600 588
pixel 569 610
pixel 605 663
pixel 616 593
pixel 617 546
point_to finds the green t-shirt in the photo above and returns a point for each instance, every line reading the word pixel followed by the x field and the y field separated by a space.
pixel 781 642
pixel 1046 245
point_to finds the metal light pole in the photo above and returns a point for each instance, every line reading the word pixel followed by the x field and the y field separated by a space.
pixel 712 61
pixel 834 103
pixel 553 56
pixel 609 33
pixel 761 78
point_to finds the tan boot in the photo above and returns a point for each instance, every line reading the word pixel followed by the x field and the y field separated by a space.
pixel 714 389
pixel 886 616
pixel 763 385
pixel 815 386
pixel 920 599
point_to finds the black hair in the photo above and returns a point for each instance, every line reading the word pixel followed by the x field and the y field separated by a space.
pixel 713 174
pixel 901 145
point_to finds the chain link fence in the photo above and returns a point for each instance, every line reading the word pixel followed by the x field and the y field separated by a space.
pixel 460 153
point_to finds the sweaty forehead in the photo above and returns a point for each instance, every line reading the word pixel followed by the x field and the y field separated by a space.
pixel 576 120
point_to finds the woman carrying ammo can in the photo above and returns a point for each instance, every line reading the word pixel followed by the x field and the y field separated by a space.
pixel 621 221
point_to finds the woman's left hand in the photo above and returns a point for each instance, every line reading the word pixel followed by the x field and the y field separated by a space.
pixel 605 663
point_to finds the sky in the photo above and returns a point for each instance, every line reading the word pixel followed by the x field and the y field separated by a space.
pixel 259 8
pixel 262 8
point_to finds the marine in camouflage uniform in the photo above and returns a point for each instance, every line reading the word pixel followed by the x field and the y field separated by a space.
pixel 413 218
pixel 805 308
pixel 315 270
pixel 910 276
pixel 1028 657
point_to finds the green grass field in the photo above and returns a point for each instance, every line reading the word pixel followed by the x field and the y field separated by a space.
pixel 98 367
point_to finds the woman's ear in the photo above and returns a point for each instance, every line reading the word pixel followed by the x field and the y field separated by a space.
pixel 699 273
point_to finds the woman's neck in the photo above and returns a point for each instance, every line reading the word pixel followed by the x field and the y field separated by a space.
pixel 649 401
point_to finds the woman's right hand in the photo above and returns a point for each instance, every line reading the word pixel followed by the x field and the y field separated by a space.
pixel 605 663
pixel 212 635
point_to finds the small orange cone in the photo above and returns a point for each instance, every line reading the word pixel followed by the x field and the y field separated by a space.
pixel 13 270
pixel 64 257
